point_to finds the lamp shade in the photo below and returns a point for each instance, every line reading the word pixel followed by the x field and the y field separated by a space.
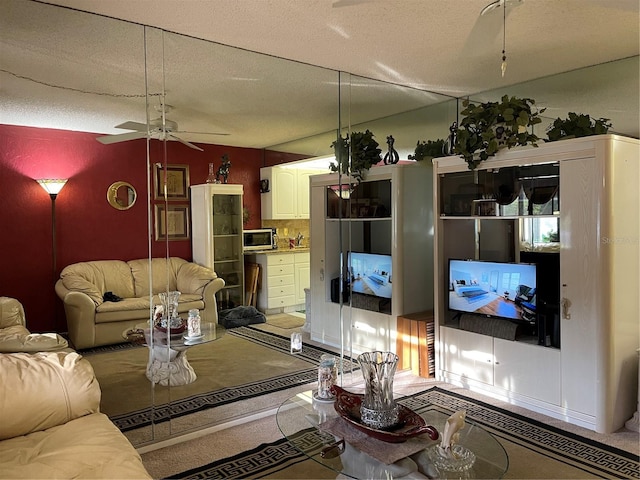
pixel 52 186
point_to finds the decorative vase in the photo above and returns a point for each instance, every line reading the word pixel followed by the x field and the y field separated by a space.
pixel 170 320
pixel 211 178
pixel 378 409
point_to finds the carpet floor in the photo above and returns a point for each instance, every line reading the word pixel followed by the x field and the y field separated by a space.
pixel 537 446
pixel 246 362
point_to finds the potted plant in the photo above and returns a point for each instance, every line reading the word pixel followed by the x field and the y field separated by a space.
pixel 365 152
pixel 489 127
pixel 577 125
pixel 428 149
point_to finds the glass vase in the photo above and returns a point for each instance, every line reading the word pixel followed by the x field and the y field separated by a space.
pixel 379 410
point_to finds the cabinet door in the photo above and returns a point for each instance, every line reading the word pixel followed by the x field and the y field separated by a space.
pixel 526 369
pixel 302 280
pixel 303 206
pixel 467 355
pixel 580 184
pixel 284 191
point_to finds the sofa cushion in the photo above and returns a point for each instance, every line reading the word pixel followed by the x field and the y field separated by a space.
pixel 44 389
pixel 97 277
pixel 18 339
pixel 164 274
pixel 87 447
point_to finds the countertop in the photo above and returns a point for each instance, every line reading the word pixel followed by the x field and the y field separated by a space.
pixel 278 250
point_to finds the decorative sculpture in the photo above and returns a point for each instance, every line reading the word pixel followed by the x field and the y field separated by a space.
pixel 451 434
pixel 223 170
pixel 391 156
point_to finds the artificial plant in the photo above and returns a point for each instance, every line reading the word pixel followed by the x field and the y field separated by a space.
pixel 577 125
pixel 365 152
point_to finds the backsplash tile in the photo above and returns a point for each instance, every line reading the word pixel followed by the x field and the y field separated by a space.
pixel 292 228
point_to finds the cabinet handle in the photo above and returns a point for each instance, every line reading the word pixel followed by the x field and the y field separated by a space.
pixel 566 303
pixel 322 274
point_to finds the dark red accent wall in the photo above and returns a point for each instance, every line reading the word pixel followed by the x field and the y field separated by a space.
pixel 87 227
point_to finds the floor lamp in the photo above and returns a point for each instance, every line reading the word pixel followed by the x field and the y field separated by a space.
pixel 53 187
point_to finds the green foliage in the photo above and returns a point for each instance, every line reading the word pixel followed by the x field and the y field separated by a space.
pixel 365 152
pixel 577 125
pixel 428 149
pixel 489 127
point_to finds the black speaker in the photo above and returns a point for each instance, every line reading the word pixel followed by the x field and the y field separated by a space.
pixel 335 291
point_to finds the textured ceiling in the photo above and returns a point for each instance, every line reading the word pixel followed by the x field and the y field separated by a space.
pixel 441 46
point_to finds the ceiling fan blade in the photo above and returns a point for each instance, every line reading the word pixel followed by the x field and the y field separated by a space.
pixel 190 145
pixel 201 133
pixel 121 137
pixel 140 127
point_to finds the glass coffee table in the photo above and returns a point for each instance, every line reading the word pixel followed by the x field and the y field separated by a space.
pixel 299 418
pixel 168 364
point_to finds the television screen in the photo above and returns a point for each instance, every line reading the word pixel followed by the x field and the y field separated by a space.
pixel 506 290
pixel 370 274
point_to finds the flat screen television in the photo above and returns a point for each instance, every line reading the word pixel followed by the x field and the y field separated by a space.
pixel 370 274
pixel 503 290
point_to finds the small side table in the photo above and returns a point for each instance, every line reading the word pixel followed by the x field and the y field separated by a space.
pixel 415 343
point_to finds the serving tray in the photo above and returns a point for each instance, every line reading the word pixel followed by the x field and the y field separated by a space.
pixel 410 424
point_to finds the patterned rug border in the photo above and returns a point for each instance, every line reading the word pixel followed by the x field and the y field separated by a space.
pixel 567 447
pixel 204 401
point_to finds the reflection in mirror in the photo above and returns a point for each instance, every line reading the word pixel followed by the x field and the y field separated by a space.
pixel 121 195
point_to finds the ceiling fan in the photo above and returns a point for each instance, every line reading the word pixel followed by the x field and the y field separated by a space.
pixel 158 130
pixel 489 24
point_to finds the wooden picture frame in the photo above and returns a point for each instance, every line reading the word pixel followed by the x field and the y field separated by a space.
pixel 177 177
pixel 177 220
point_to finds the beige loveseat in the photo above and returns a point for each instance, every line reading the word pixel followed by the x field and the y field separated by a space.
pixel 92 322
pixel 50 424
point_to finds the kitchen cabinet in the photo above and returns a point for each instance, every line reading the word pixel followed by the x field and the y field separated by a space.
pixel 283 278
pixel 288 195
pixel 576 366
pixel 216 240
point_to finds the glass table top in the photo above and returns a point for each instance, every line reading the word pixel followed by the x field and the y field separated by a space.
pixel 298 419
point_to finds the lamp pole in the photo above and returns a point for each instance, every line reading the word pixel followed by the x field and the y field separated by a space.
pixel 53 187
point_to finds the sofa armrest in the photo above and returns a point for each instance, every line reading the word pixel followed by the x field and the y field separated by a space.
pixel 43 390
pixel 11 312
pixel 209 297
pixel 80 311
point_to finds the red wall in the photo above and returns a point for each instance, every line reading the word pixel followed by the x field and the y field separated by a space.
pixel 87 227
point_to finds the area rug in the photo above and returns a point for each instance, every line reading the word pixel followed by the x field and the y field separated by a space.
pixel 245 363
pixel 286 321
pixel 535 449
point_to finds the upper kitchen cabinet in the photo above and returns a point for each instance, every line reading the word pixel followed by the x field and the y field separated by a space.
pixel 288 193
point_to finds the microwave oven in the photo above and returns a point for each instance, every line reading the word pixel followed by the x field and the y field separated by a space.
pixel 259 239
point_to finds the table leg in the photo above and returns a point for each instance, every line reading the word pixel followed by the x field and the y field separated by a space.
pixel 169 367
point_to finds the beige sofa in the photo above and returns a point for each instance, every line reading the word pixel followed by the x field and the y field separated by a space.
pixel 93 322
pixel 51 426
pixel 14 335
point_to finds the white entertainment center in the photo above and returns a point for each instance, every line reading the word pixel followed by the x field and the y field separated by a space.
pixel 582 367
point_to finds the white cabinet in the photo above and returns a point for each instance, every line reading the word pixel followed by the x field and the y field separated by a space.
pixel 288 195
pixel 283 276
pixel 504 364
pixel 216 239
pixel 302 275
pixel 388 214
pixel 588 376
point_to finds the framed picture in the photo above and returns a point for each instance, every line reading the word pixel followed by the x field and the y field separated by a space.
pixel 177 182
pixel 172 222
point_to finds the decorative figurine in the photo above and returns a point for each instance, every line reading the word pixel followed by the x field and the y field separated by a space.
pixel 223 170
pixel 447 149
pixel 391 156
pixel 451 434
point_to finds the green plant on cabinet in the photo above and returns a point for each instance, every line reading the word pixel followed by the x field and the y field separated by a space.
pixel 489 127
pixel 365 152
pixel 577 125
pixel 428 149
